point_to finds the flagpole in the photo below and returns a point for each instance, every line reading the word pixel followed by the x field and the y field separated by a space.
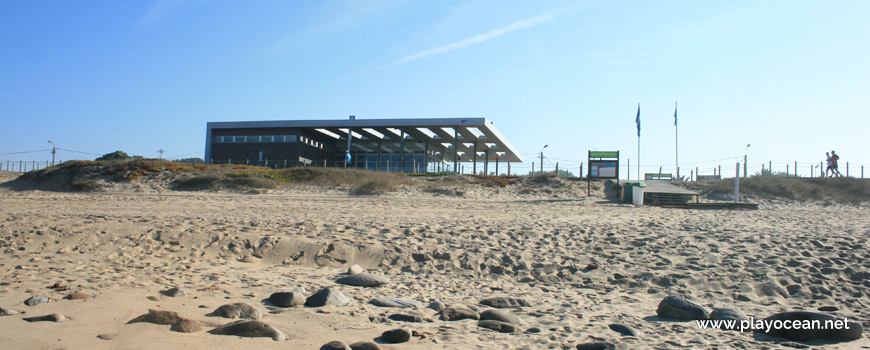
pixel 676 140
pixel 637 120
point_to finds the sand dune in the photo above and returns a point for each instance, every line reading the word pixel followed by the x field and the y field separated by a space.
pixel 582 264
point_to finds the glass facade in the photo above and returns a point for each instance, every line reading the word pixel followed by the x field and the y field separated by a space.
pixel 397 156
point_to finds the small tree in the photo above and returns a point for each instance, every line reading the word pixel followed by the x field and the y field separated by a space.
pixel 114 156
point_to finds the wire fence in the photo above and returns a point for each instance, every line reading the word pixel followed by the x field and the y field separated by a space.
pixel 705 170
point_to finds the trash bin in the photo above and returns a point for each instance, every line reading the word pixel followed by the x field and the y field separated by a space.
pixel 626 193
pixel 637 193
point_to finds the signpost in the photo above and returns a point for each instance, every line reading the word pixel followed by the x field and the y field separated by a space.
pixel 602 165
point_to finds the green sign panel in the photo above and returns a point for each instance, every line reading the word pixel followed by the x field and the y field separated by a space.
pixel 594 154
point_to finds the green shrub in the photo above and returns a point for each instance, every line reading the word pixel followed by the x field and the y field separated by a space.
pixel 116 155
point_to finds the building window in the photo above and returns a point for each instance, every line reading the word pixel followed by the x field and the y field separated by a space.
pixel 265 138
pixel 238 139
pixel 218 139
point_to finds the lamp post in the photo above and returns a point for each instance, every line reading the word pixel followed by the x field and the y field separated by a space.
pixel 53 151
pixel 745 155
pixel 542 158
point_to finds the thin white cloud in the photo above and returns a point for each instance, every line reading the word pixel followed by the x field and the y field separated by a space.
pixel 521 24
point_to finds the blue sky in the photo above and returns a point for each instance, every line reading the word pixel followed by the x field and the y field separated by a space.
pixel 789 77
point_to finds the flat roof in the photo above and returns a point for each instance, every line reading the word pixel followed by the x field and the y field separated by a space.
pixel 463 134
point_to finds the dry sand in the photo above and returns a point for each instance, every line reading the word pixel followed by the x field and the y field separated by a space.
pixel 581 262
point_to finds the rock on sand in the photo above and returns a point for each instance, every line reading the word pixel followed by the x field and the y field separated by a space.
pixel 251 329
pixel 679 308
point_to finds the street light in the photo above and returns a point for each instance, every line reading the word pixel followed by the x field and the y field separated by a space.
pixel 53 151
pixel 542 158
pixel 745 154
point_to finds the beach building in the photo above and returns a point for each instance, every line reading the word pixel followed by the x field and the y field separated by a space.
pixel 409 145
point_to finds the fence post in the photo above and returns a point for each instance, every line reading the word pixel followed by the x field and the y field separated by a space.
pixel 557 168
pixel 737 184
pixel 20 163
pixel 533 168
pixel 811 171
pixel 847 169
pixel 388 165
pixel 509 169
pixel 762 169
pixel 786 169
pixel 581 171
pixel 720 171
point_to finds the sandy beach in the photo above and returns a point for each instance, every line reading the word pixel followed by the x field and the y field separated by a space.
pixel 582 264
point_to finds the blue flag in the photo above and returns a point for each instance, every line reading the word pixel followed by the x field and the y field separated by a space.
pixel 637 120
pixel 675 114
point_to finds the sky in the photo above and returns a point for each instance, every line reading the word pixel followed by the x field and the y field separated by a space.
pixel 790 78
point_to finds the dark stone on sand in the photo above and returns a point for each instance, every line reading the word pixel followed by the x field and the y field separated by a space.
pixel 287 299
pixel 108 336
pixel 158 317
pixel 174 292
pixel 36 300
pixel 679 308
pixel 251 329
pixel 500 315
pixel 186 326
pixel 853 332
pixel 406 318
pixel 395 336
pixel 533 330
pixel 395 302
pixel 626 331
pixel 335 345
pixel 456 312
pixel 363 279
pixel 828 308
pixel 504 302
pixel 49 318
pixel 498 326
pixel 365 345
pixel 599 345
pixel 327 296
pixel 728 314
pixel 238 310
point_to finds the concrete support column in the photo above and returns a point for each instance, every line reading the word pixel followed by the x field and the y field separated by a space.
pixel 402 151
pixel 474 167
pixel 378 167
pixel 455 149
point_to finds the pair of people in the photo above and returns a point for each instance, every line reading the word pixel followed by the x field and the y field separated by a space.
pixel 832 164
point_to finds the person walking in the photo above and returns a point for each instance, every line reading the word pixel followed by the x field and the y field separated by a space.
pixel 834 168
pixel 347 158
pixel 829 169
